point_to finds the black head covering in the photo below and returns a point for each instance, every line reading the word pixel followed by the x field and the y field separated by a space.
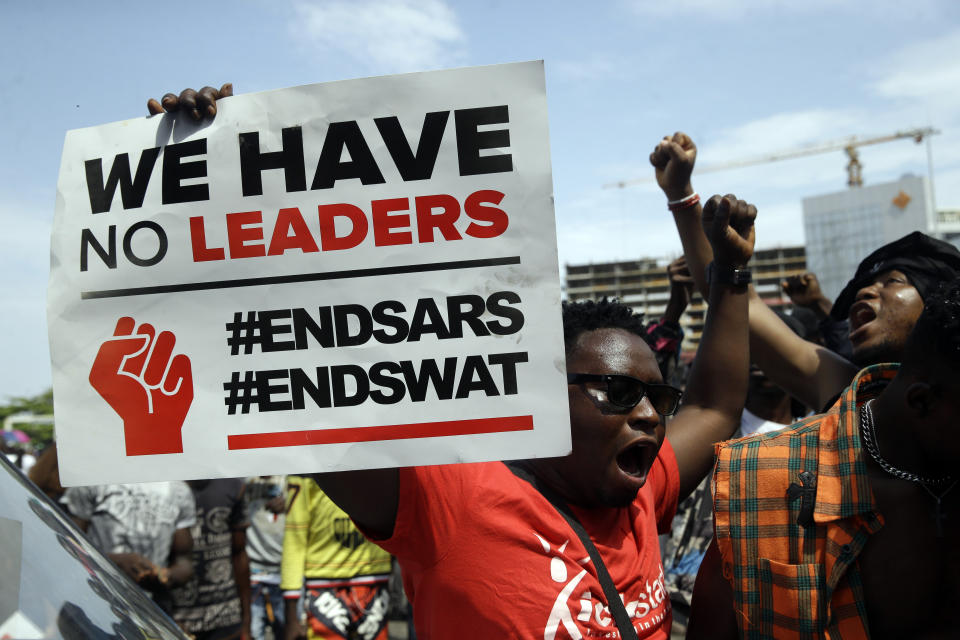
pixel 924 260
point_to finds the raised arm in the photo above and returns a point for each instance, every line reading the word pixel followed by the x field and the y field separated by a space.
pixel 717 386
pixel 181 559
pixel 673 160
pixel 811 373
pixel 804 291
pixel 681 291
pixel 45 473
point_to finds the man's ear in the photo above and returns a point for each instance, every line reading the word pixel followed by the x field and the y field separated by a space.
pixel 920 398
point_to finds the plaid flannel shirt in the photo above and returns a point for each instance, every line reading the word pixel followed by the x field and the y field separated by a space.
pixel 793 509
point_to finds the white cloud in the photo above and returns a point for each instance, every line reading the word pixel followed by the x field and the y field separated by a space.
pixel 928 71
pixel 390 35
pixel 613 224
pixel 780 224
pixel 601 238
pixel 780 132
pixel 921 79
pixel 760 140
pixel 827 130
pixel 608 224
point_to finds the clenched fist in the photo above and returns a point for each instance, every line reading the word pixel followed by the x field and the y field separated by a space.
pixel 728 225
pixel 673 159
pixel 149 387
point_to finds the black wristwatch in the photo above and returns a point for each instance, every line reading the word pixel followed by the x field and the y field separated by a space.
pixel 736 276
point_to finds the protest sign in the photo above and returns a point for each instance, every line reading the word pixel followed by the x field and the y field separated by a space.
pixel 348 275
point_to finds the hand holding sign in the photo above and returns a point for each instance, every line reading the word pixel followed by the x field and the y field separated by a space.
pixel 198 104
pixel 150 388
pixel 385 280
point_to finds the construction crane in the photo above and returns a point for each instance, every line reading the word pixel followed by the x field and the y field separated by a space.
pixel 849 145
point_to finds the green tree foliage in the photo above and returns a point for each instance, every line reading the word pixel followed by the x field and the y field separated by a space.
pixel 39 405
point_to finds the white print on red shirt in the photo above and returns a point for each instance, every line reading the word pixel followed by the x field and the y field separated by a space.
pixel 649 608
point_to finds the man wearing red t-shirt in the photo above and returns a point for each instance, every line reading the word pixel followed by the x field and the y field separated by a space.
pixel 484 554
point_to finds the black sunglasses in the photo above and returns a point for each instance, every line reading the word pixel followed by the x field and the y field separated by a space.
pixel 626 392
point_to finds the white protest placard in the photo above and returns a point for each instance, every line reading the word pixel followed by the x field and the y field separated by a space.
pixel 348 275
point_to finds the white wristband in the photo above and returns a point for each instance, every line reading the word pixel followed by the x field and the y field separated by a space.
pixel 683 203
pixel 684 200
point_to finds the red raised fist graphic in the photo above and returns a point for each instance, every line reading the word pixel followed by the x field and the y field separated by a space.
pixel 149 387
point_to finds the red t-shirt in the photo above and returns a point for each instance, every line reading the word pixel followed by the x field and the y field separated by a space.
pixel 485 555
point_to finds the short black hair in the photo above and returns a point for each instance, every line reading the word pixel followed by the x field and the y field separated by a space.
pixel 936 336
pixel 590 315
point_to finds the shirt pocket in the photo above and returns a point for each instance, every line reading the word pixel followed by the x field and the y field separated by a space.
pixel 791 598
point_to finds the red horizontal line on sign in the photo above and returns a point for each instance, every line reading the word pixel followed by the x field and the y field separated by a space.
pixel 383 432
pixel 302 277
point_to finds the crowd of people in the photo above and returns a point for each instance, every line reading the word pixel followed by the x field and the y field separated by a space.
pixel 795 481
pixel 255 558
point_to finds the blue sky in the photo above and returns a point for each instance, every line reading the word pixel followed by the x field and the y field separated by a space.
pixel 743 77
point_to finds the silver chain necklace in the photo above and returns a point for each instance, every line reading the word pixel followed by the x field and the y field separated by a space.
pixel 870 441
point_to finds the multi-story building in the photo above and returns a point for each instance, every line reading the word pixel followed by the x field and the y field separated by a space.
pixel 842 228
pixel 643 284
